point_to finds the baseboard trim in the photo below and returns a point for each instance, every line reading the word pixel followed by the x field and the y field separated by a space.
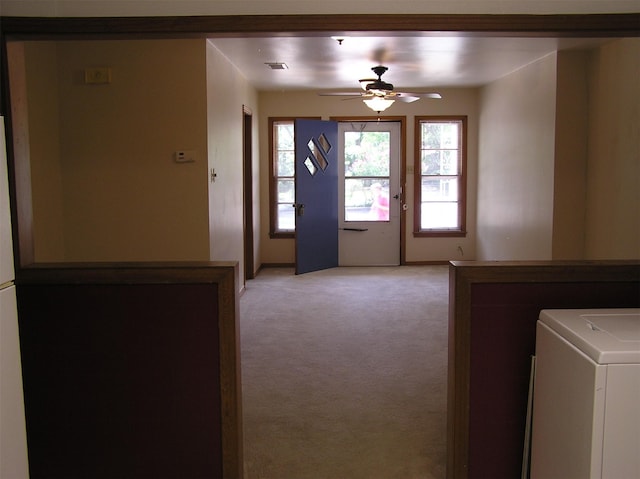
pixel 425 263
pixel 406 263
pixel 274 265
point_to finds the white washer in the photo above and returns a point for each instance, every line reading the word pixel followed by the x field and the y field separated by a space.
pixel 586 401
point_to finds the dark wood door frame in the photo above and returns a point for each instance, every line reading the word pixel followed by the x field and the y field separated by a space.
pixel 247 172
pixel 561 25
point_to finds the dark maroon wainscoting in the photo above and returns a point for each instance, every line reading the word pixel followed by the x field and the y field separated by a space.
pixel 493 311
pixel 121 380
pixel 503 323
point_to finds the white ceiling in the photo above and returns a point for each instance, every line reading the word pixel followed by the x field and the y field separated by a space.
pixel 415 62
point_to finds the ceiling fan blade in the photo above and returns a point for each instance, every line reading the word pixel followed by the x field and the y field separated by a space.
pixel 434 95
pixel 339 93
pixel 345 94
pixel 404 97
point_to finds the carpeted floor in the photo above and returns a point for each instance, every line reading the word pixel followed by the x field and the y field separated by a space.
pixel 344 373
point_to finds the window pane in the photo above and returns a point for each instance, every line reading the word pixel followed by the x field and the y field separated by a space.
pixel 311 167
pixel 286 191
pixel 437 136
pixel 449 162
pixel 430 162
pixel 439 189
pixel 286 220
pixel 366 153
pixel 449 135
pixel 285 165
pixel 284 136
pixel 440 162
pixel 430 136
pixel 324 143
pixel 439 216
pixel 283 176
pixel 366 199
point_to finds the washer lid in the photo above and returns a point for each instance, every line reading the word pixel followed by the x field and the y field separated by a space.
pixel 608 336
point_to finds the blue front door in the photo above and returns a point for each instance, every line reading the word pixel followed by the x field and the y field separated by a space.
pixel 316 146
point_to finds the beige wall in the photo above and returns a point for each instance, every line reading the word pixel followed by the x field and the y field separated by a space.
pixel 44 127
pixel 123 196
pixel 227 92
pixel 454 102
pixel 613 181
pixel 125 199
pixel 516 164
pixel 570 168
pixel 597 165
pixel 106 186
pixel 558 173
pixel 559 158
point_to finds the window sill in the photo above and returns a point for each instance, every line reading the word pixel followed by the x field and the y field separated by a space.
pixel 440 234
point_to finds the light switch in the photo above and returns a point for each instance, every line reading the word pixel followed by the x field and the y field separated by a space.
pixel 97 75
pixel 185 156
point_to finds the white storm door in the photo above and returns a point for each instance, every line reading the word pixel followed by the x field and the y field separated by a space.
pixel 369 193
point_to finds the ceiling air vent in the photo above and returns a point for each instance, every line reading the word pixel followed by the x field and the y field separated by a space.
pixel 277 65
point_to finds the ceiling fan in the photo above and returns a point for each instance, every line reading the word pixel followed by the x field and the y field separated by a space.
pixel 379 95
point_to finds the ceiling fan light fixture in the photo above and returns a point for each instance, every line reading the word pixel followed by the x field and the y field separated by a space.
pixel 378 104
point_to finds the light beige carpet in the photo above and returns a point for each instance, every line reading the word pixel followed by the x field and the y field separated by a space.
pixel 344 373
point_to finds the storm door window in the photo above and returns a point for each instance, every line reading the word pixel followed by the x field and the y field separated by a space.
pixel 366 175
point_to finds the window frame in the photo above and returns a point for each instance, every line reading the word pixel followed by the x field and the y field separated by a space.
pixel 274 232
pixel 461 230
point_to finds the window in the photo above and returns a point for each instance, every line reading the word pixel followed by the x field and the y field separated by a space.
pixel 282 185
pixel 366 175
pixel 440 182
pixel 282 167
